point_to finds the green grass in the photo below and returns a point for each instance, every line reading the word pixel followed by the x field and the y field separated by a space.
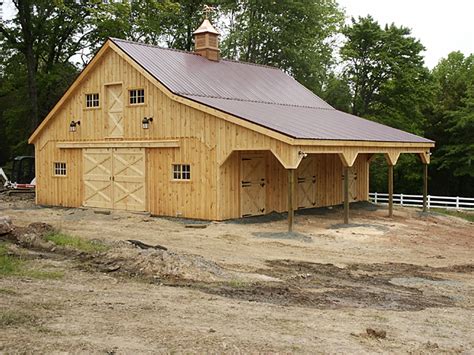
pixel 77 243
pixel 12 265
pixel 468 216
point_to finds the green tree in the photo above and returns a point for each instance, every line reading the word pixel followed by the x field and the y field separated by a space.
pixel 296 36
pixel 451 124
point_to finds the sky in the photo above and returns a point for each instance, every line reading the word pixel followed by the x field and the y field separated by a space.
pixel 441 26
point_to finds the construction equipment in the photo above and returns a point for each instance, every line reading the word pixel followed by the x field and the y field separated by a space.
pixel 22 176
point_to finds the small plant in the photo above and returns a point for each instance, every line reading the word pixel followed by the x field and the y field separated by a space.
pixel 12 265
pixel 77 243
pixel 12 319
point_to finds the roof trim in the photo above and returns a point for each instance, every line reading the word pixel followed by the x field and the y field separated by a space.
pixel 70 90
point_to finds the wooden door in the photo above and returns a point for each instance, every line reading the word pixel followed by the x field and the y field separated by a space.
pixel 115 178
pixel 98 189
pixel 352 185
pixel 129 179
pixel 253 181
pixel 114 102
pixel 306 183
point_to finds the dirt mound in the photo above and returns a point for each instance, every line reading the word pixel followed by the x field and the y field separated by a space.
pixel 159 264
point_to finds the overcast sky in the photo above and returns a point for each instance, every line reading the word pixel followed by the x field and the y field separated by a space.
pixel 441 26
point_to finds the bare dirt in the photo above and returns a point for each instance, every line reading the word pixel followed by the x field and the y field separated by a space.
pixel 401 285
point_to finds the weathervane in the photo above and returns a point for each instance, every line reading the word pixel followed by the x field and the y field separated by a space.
pixel 207 10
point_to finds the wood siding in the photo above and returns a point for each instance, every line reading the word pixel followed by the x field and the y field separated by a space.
pixel 211 145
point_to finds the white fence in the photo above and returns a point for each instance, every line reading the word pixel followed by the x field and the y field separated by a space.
pixel 458 203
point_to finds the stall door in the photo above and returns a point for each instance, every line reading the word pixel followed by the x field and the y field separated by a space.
pixel 352 185
pixel 129 179
pixel 98 178
pixel 306 183
pixel 253 189
pixel 114 104
pixel 114 178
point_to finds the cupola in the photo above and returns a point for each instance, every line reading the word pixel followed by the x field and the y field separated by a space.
pixel 206 41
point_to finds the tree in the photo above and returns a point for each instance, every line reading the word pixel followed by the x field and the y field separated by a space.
pixel 296 36
pixel 451 124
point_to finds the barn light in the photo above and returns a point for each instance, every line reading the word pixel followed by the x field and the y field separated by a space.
pixel 146 122
pixel 73 126
pixel 303 154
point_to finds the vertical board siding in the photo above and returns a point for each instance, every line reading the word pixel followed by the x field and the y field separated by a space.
pixel 327 168
pixel 209 144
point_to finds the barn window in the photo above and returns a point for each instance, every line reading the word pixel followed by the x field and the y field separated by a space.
pixel 136 96
pixel 181 172
pixel 59 169
pixel 92 100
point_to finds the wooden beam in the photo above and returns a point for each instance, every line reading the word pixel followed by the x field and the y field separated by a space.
pixel 291 190
pixel 425 157
pixel 119 144
pixel 425 187
pixel 346 195
pixel 390 190
pixel 392 157
pixel 348 158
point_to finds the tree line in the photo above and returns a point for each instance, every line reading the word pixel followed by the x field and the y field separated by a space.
pixel 373 71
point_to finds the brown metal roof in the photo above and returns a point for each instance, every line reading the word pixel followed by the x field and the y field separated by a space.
pixel 263 95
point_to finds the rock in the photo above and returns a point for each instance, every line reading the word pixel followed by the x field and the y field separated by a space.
pixel 376 333
pixel 6 225
pixel 40 229
pixel 212 330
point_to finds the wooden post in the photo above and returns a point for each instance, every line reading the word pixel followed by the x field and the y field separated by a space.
pixel 346 195
pixel 425 187
pixel 390 190
pixel 291 190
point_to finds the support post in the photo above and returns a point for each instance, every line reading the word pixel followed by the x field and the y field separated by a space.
pixel 390 190
pixel 425 187
pixel 291 190
pixel 346 195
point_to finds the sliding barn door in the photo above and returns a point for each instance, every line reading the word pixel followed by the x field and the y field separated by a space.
pixel 115 178
pixel 253 185
pixel 129 179
pixel 114 106
pixel 98 178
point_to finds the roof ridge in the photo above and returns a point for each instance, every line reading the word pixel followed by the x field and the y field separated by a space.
pixel 152 46
pixel 192 53
pixel 254 101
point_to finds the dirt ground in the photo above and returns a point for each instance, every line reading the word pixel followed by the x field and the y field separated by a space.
pixel 246 286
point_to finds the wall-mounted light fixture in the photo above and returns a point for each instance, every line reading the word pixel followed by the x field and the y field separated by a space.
pixel 146 122
pixel 73 126
pixel 303 154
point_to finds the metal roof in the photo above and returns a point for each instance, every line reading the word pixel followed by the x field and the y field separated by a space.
pixel 263 95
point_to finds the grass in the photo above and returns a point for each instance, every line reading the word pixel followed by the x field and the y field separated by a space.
pixel 465 215
pixel 12 319
pixel 12 265
pixel 77 243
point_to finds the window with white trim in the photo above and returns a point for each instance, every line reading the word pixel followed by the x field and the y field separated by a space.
pixel 59 169
pixel 181 172
pixel 92 100
pixel 136 96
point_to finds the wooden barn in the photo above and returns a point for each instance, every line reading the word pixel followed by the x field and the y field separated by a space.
pixel 189 134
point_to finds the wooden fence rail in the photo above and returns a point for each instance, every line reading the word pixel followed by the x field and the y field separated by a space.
pixel 457 203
